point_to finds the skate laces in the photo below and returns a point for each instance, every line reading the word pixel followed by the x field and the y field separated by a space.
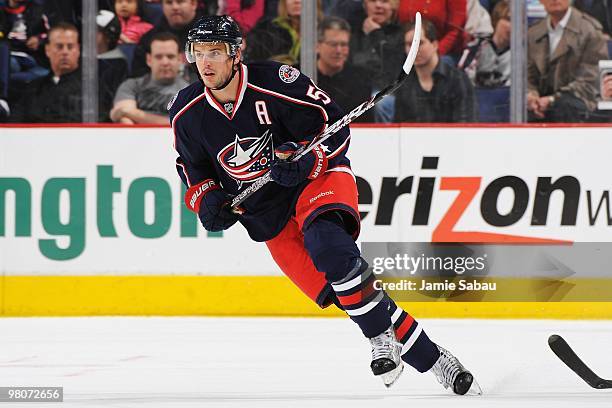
pixel 385 345
pixel 447 368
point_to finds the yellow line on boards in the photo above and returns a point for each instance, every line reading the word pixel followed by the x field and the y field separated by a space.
pixel 180 295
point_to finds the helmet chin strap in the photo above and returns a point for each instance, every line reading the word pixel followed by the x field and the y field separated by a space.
pixel 226 83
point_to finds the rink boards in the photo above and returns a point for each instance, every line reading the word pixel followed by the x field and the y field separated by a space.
pixel 92 221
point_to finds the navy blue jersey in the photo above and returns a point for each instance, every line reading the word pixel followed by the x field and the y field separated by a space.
pixel 233 144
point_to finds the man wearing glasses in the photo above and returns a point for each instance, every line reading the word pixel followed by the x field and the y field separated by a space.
pixel 345 83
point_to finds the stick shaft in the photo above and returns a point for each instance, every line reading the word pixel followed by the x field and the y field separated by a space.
pixel 346 119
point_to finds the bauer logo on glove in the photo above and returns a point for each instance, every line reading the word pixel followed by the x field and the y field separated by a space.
pixel 195 193
pixel 210 202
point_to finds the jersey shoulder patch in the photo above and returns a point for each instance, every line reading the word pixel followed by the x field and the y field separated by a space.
pixel 277 77
pixel 172 101
pixel 184 97
pixel 288 74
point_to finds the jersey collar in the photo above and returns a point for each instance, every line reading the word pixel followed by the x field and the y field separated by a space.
pixel 242 86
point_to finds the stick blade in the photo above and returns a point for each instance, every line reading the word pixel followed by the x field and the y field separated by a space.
pixel 414 46
pixel 565 353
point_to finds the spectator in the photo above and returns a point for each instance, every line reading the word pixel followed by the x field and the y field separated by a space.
pixel 25 27
pixel 112 62
pixel 60 11
pixel 350 10
pixel 271 8
pixel 149 11
pixel 486 61
pixel 246 12
pixel 478 21
pixel 4 78
pixel 3 25
pixel 130 13
pixel 601 10
pixel 208 7
pixel 278 38
pixel 376 46
pixel 562 56
pixel 145 99
pixel 434 92
pixel 178 18
pixel 449 17
pixel 56 98
pixel 606 87
pixel 107 37
pixel 493 3
pixel 347 85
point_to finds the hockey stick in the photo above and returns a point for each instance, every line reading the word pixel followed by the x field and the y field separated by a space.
pixel 345 120
pixel 560 347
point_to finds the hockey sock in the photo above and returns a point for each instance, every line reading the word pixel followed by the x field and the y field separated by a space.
pixel 418 350
pixel 334 253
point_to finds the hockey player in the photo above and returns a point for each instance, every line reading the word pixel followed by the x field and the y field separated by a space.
pixel 243 121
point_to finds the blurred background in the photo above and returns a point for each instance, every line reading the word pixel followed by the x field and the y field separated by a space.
pixel 480 60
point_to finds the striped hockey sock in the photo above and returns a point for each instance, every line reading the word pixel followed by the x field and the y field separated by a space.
pixel 418 350
pixel 365 305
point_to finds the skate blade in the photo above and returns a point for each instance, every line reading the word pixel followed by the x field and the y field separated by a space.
pixel 474 389
pixel 390 377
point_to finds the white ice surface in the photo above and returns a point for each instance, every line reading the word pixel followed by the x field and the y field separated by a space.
pixel 265 362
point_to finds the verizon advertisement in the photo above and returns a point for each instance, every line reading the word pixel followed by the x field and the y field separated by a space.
pixel 97 201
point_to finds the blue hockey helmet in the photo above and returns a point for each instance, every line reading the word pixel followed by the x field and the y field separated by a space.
pixel 214 29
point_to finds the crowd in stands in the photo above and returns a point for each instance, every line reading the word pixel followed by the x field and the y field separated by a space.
pixel 462 72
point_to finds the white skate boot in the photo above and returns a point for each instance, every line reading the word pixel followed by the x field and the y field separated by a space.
pixel 386 361
pixel 451 373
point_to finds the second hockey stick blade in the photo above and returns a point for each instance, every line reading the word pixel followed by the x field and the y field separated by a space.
pixel 563 350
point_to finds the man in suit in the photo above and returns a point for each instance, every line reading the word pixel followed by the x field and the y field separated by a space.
pixel 563 52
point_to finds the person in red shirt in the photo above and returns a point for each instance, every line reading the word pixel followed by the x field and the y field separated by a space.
pixel 448 16
pixel 246 13
pixel 133 27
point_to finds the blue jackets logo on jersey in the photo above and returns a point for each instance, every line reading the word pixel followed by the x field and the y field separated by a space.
pixel 248 158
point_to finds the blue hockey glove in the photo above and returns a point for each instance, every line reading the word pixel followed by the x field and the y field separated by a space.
pixel 211 204
pixel 291 173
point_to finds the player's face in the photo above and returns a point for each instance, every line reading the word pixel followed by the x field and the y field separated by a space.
pixel 213 62
pixel 126 8
pixel 164 60
pixel 334 49
pixel 179 13
pixel 63 51
pixel 427 49
pixel 380 11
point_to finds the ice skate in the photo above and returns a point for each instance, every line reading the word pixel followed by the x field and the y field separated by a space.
pixel 451 373
pixel 386 360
